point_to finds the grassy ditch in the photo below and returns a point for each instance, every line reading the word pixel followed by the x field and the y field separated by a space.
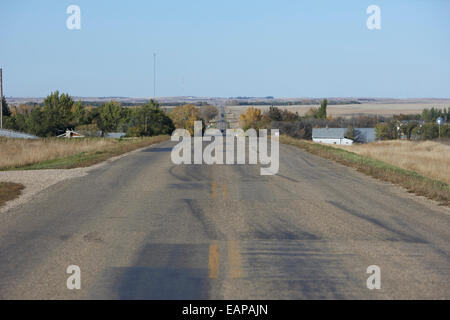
pixel 410 180
pixel 53 153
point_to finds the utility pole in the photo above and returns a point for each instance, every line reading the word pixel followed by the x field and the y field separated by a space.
pixel 154 75
pixel 439 121
pixel 1 100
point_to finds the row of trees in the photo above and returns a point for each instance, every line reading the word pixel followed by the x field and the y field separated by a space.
pixel 411 130
pixel 297 126
pixel 184 116
pixel 254 118
pixel 59 112
pixel 432 114
pixel 415 127
pixel 396 127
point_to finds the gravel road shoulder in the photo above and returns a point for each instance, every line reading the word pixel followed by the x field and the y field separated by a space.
pixel 36 181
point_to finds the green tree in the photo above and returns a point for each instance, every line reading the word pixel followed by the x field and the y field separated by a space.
pixel 55 117
pixel 110 115
pixel 322 112
pixel 426 131
pixel 5 107
pixel 136 131
pixel 78 114
pixel 386 130
pixel 432 114
pixel 36 123
pixel 153 120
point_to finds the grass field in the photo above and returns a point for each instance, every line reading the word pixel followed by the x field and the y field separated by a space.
pixel 54 153
pixel 9 191
pixel 429 158
pixel 413 181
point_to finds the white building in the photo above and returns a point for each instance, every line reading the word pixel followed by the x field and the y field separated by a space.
pixel 337 135
pixel 330 136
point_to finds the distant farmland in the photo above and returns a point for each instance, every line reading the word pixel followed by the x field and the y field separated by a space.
pixel 347 110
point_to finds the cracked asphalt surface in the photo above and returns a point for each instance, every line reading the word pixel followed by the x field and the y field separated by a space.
pixel 144 228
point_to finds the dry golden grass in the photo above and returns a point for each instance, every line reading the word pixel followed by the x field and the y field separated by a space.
pixel 429 158
pixel 16 153
pixel 411 180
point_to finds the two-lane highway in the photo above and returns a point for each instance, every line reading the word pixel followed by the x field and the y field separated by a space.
pixel 142 227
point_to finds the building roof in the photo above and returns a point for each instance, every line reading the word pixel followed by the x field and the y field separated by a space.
pixel 15 134
pixel 328 133
pixel 363 134
pixel 115 135
pixel 366 134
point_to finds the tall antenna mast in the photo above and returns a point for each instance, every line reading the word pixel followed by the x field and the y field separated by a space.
pixel 154 75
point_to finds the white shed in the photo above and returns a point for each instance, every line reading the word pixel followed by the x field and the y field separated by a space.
pixel 331 136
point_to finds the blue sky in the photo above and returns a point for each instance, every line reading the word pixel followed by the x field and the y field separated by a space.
pixel 281 48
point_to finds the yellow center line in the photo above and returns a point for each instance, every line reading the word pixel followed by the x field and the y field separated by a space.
pixel 213 265
pixel 234 259
pixel 224 191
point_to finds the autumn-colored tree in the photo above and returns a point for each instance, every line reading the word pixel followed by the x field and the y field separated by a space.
pixel 250 119
pixel 183 117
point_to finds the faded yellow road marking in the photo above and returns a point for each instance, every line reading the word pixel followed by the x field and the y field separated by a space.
pixel 214 189
pixel 213 265
pixel 224 191
pixel 234 260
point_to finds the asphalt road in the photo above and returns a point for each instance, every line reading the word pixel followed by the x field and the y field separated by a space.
pixel 144 228
pixel 222 123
